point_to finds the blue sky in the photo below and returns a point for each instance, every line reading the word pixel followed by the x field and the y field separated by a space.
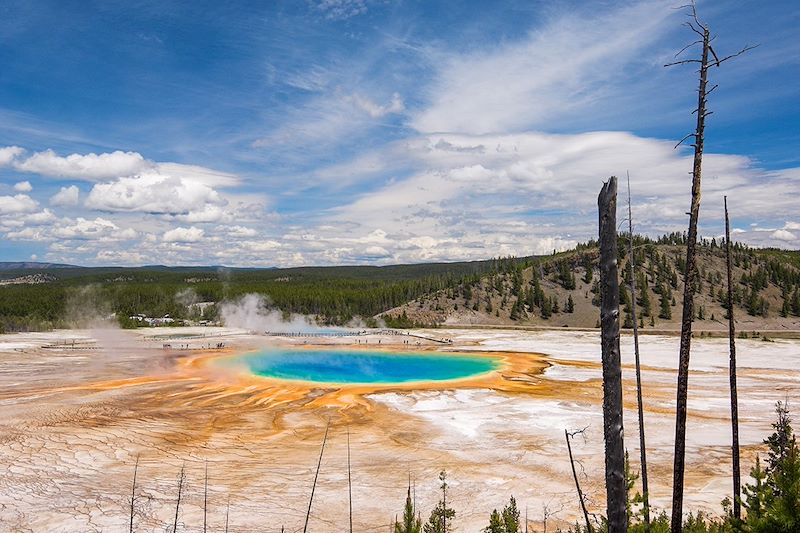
pixel 357 131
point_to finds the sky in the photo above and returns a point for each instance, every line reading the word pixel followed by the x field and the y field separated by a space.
pixel 326 132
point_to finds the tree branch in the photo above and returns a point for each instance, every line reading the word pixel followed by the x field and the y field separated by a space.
pixel 682 62
pixel 686 137
pixel 682 50
pixel 740 52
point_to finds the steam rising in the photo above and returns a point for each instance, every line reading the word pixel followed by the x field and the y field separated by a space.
pixel 86 307
pixel 186 297
pixel 255 312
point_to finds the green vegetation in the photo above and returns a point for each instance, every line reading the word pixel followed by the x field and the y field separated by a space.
pixel 523 290
pixel 334 295
pixel 441 517
pixel 771 502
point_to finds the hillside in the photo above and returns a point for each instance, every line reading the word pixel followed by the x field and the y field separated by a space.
pixel 553 291
pixel 561 290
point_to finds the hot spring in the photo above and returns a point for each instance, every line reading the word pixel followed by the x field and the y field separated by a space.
pixel 362 367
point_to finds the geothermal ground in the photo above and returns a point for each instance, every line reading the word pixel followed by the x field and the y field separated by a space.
pixel 75 416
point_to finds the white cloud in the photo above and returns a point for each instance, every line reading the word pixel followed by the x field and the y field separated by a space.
pixel 66 197
pixel 208 213
pixel 377 111
pixel 480 195
pixel 562 68
pixel 119 257
pixel 44 216
pixel 8 154
pixel 45 226
pixel 28 234
pixel 206 176
pixel 20 203
pixel 99 229
pixel 91 167
pixel 783 235
pixel 260 246
pixel 341 9
pixel 23 186
pixel 153 193
pixel 240 231
pixel 792 225
pixel 179 234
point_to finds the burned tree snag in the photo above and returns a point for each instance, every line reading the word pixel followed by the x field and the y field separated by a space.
pixel 133 491
pixel 690 274
pixel 639 403
pixel 316 476
pixel 349 481
pixel 181 480
pixel 737 479
pixel 205 500
pixel 589 529
pixel 612 367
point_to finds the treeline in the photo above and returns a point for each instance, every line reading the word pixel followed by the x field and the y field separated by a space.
pixel 333 295
pixel 767 283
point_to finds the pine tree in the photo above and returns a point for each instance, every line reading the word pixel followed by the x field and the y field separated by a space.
pixel 796 302
pixel 441 516
pixel 664 311
pixel 506 522
pixel 570 306
pixel 546 309
pixel 643 295
pixel 587 277
pixel 516 310
pixel 773 502
pixel 410 524
pixel 511 517
pixel 495 523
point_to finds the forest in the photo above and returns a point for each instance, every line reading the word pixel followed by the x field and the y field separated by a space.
pixel 526 290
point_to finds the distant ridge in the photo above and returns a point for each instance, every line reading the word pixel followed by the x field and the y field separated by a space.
pixel 32 265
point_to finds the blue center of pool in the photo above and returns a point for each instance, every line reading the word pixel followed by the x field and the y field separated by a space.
pixel 365 367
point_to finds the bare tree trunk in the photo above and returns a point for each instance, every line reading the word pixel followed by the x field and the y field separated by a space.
pixel 691 268
pixel 612 367
pixel 181 479
pixel 133 491
pixel 349 481
pixel 205 501
pixel 688 299
pixel 642 445
pixel 444 504
pixel 737 479
pixel 316 476
pixel 577 484
pixel 228 513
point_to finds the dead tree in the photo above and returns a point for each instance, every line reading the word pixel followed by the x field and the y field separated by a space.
pixel 316 476
pixel 639 404
pixel 181 479
pixel 547 512
pixel 349 481
pixel 702 30
pixel 133 491
pixel 612 367
pixel 567 436
pixel 205 501
pixel 228 513
pixel 737 479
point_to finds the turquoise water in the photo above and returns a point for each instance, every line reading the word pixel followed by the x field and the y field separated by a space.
pixel 365 367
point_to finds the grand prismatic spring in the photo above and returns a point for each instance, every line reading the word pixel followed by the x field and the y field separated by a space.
pixel 362 367
pixel 492 411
